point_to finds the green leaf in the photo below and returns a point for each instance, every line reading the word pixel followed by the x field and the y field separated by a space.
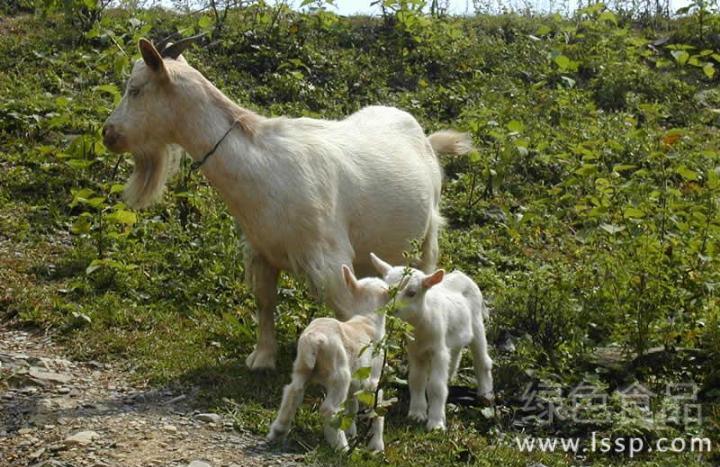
pixel 81 226
pixel 631 212
pixel 119 65
pixel 123 217
pixel 609 17
pixel 709 70
pixel 99 263
pixel 362 373
pixel 79 164
pixel 366 397
pixel 563 62
pixel 612 229
pixel 623 167
pixel 83 193
pixel 680 56
pixel 587 169
pixel 686 173
pixel 346 422
pixel 117 188
pixel 95 202
pixel 515 126
pixel 205 23
pixel 110 89
pixel 543 30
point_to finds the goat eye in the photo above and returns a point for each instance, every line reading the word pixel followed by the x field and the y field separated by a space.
pixel 410 293
pixel 134 92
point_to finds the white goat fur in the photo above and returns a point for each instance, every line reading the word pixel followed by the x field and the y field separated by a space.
pixel 447 312
pixel 309 195
pixel 329 352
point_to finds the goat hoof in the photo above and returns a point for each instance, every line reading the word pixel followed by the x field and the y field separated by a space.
pixel 275 436
pixel 487 399
pixel 435 425
pixel 341 446
pixel 261 360
pixel 417 415
pixel 376 446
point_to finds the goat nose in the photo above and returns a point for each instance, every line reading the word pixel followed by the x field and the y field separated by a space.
pixel 105 130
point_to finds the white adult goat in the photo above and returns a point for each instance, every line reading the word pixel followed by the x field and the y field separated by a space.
pixel 309 195
pixel 447 313
pixel 329 352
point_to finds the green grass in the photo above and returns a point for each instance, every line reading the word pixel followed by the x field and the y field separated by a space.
pixel 588 216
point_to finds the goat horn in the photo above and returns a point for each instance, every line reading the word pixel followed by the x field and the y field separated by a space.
pixel 174 50
pixel 164 42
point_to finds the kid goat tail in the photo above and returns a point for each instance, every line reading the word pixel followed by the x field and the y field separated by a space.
pixel 308 348
pixel 451 142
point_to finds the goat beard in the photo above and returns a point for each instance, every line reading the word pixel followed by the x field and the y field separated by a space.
pixel 153 167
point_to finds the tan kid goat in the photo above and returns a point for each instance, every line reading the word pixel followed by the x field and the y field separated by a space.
pixel 309 195
pixel 329 352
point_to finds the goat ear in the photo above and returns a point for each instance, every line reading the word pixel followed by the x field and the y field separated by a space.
pixel 433 279
pixel 381 266
pixel 151 56
pixel 350 279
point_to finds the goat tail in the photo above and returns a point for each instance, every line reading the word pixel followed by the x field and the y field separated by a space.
pixel 309 346
pixel 451 142
pixel 485 310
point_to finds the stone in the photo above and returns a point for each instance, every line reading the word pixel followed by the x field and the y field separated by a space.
pixel 209 417
pixel 51 376
pixel 198 464
pixel 36 454
pixel 82 438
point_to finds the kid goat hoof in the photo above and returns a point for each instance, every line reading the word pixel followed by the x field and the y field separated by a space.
pixel 417 416
pixel 435 425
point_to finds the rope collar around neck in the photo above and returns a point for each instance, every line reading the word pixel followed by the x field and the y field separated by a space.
pixel 197 164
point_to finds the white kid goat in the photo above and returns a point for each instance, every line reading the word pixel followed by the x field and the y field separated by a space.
pixel 447 313
pixel 329 352
pixel 309 195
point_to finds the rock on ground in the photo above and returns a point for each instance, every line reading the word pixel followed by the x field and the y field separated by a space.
pixel 55 412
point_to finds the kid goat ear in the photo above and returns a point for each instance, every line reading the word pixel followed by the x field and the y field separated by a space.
pixel 349 277
pixel 433 279
pixel 380 266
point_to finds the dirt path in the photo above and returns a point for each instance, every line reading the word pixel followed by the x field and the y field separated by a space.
pixel 55 412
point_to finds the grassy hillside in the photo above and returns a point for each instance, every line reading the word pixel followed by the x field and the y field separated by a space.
pixel 588 215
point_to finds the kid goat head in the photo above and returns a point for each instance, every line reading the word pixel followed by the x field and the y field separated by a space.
pixel 369 293
pixel 412 284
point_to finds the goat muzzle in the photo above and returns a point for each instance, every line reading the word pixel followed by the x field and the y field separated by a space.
pixel 110 137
